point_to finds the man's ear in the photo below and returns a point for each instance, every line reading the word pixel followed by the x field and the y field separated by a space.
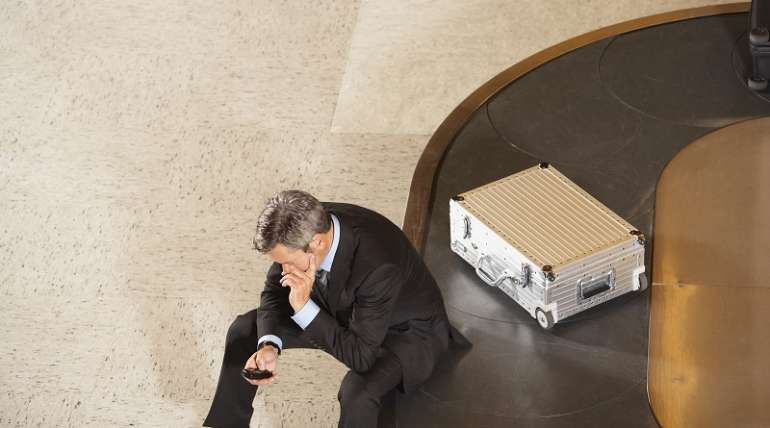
pixel 317 241
pixel 311 246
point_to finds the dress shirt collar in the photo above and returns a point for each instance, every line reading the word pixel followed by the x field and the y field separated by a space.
pixel 329 259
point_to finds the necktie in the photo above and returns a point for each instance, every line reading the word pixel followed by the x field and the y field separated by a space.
pixel 322 280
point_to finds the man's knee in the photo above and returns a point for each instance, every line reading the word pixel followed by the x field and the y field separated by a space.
pixel 241 329
pixel 353 392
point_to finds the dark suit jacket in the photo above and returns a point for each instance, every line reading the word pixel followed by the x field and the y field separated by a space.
pixel 380 294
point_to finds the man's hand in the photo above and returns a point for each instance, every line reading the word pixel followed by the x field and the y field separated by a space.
pixel 301 283
pixel 264 359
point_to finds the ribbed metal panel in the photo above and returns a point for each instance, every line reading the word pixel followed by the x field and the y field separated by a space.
pixel 546 216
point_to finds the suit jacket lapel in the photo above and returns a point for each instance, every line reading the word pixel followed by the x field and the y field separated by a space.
pixel 338 277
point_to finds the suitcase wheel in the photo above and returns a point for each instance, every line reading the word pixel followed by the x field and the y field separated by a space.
pixel 759 35
pixel 544 319
pixel 757 83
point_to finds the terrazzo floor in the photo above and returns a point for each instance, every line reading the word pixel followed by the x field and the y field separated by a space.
pixel 138 141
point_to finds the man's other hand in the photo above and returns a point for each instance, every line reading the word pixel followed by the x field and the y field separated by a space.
pixel 264 359
pixel 301 283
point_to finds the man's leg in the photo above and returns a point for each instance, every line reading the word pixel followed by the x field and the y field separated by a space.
pixel 232 403
pixel 360 393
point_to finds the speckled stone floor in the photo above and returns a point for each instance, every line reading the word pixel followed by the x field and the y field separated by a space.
pixel 138 141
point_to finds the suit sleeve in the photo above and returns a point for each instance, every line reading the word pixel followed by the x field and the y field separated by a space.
pixel 357 345
pixel 274 303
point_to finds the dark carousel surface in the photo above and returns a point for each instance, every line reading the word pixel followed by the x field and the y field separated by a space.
pixel 610 116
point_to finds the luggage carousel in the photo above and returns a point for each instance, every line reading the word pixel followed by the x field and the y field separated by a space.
pixel 609 109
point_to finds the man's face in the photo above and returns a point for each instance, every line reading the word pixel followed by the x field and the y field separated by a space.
pixel 292 257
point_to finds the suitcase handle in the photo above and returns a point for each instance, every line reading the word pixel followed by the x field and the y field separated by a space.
pixel 590 287
pixel 486 277
pixel 523 280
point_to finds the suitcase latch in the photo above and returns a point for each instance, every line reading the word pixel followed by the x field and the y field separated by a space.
pixel 523 279
pixel 467 225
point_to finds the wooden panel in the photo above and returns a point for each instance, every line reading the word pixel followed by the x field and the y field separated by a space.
pixel 709 347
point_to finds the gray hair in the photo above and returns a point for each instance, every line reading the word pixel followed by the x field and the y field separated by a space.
pixel 291 218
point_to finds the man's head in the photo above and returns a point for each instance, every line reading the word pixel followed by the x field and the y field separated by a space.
pixel 292 227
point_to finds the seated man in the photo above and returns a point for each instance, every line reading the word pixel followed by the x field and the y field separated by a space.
pixel 345 280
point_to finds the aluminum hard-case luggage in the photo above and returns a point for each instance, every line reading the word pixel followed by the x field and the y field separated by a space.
pixel 759 44
pixel 546 243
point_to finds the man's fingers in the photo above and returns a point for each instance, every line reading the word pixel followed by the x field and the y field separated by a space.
pixel 251 363
pixel 310 274
pixel 289 279
pixel 265 364
pixel 293 278
pixel 299 273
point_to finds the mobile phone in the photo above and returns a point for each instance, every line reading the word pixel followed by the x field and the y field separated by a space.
pixel 256 374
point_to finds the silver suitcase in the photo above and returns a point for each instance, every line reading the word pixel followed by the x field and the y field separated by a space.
pixel 546 243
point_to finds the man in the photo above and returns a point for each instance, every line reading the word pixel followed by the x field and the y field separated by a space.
pixel 347 281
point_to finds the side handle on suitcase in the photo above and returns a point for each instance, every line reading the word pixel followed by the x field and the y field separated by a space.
pixel 522 280
pixel 486 277
pixel 590 287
